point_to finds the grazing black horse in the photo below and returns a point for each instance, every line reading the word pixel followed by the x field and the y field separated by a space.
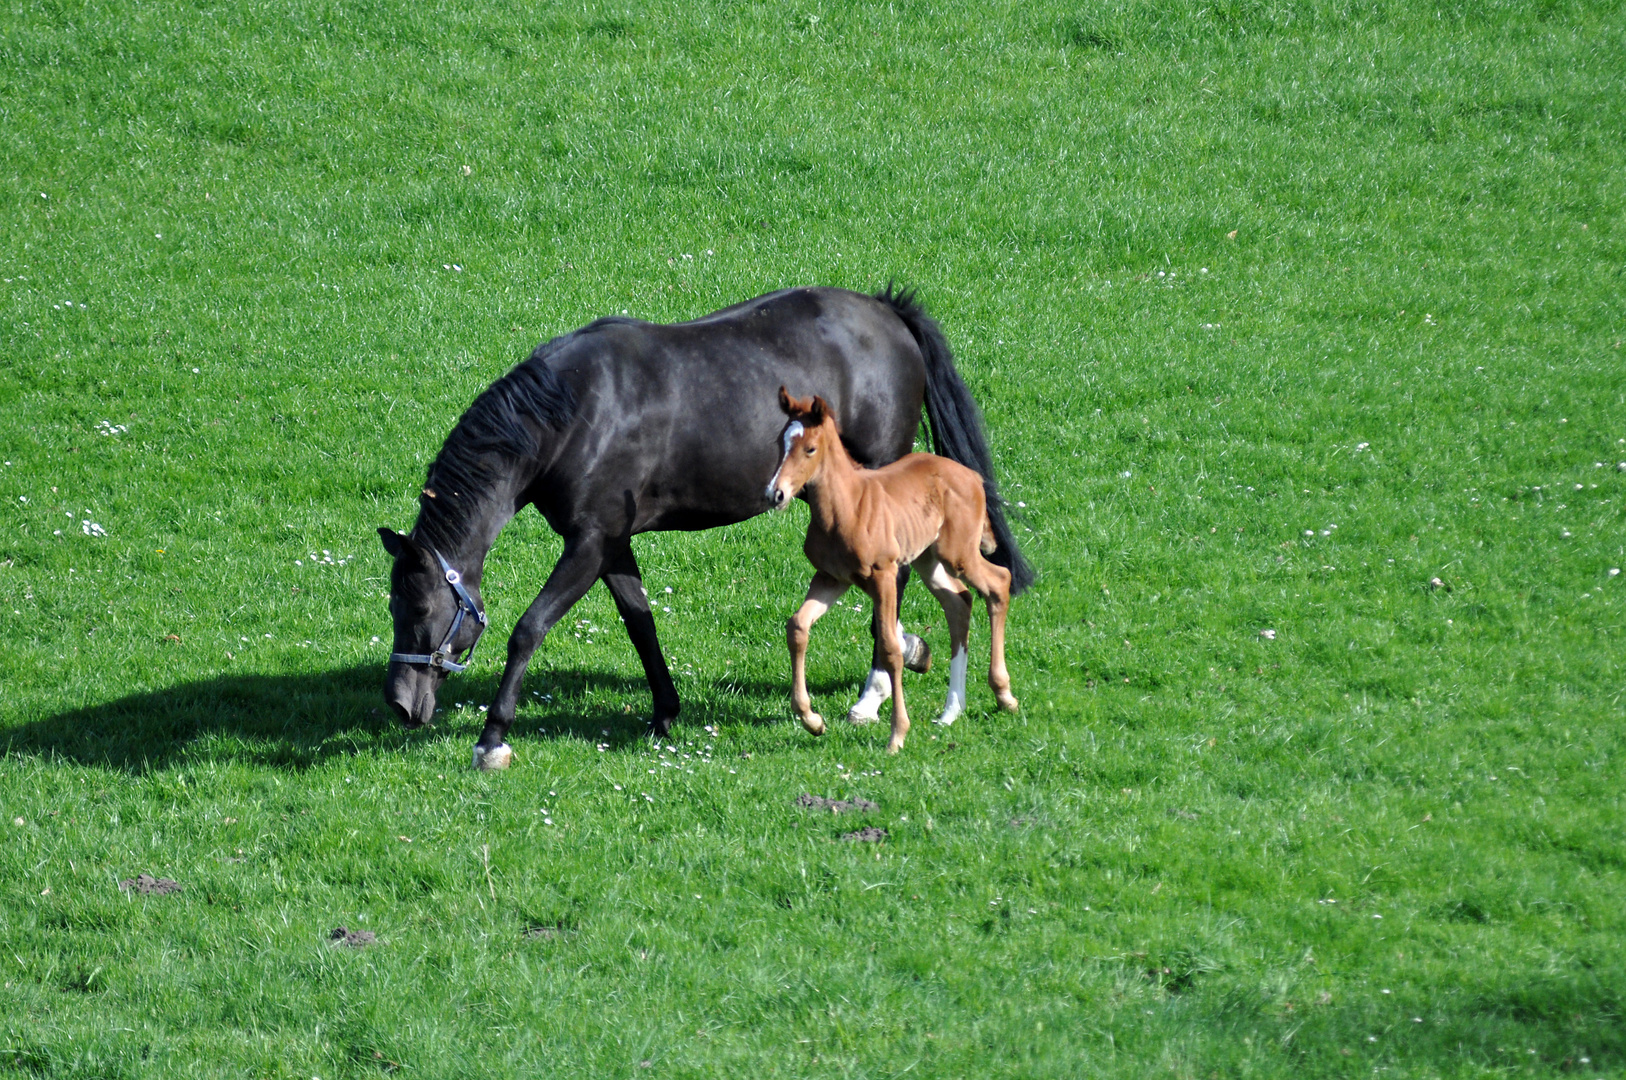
pixel 624 427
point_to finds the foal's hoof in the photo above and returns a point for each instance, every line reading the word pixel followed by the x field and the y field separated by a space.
pixel 814 723
pixel 861 718
pixel 917 655
pixel 1006 702
pixel 488 758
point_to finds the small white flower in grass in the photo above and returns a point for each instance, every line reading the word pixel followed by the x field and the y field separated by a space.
pixel 669 588
pixel 195 371
pixel 268 635
pixel 375 639
pixel 1124 475
pixel 1268 635
pixel 1614 571
pixel 298 563
pixel 1566 534
pixel 1309 532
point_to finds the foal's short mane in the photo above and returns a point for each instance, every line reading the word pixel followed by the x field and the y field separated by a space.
pixel 500 431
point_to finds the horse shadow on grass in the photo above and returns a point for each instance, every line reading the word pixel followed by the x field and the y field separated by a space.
pixel 297 721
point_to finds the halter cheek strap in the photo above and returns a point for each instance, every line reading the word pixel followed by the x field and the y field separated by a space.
pixel 444 657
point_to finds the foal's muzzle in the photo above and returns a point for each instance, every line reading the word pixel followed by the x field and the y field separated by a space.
pixel 776 497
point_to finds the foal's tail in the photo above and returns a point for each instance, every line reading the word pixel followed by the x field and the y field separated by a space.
pixel 957 424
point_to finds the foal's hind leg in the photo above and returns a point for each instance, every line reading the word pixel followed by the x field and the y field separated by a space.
pixel 993 583
pixel 824 591
pixel 956 603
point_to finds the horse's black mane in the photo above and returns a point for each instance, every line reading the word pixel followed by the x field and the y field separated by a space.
pixel 503 428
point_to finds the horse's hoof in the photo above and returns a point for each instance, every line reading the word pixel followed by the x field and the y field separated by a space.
pixel 917 655
pixel 862 718
pixel 894 746
pixel 1008 703
pixel 660 728
pixel 814 723
pixel 488 758
pixel 947 719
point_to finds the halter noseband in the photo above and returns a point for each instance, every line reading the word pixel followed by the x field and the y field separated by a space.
pixel 443 657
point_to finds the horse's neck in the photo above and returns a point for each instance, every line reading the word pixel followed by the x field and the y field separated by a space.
pixel 490 513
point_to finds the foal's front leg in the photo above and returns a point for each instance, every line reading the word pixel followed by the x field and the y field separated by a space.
pixel 883 589
pixel 824 591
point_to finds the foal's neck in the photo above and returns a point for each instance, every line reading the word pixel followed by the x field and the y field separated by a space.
pixel 833 494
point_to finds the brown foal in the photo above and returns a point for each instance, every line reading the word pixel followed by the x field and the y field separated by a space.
pixel 921 510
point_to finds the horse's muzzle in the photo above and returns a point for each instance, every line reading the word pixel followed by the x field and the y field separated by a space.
pixel 410 695
pixel 776 497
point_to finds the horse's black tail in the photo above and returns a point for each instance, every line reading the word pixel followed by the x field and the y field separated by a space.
pixel 956 423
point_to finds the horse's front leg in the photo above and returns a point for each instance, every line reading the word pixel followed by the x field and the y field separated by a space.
pixel 824 591
pixel 626 585
pixel 917 656
pixel 572 576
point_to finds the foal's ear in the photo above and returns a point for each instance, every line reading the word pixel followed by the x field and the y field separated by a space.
pixel 394 542
pixel 817 410
pixel 787 403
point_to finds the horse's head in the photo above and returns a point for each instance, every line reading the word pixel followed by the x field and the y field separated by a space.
pixel 426 606
pixel 807 438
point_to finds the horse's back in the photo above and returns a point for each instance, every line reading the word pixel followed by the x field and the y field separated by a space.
pixel 679 425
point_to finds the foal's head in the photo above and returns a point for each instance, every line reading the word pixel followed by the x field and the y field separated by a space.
pixel 807 440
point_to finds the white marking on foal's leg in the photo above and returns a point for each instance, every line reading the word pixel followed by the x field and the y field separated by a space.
pixel 955 705
pixel 877 688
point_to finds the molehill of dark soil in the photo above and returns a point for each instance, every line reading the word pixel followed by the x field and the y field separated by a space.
pixel 147 885
pixel 835 806
pixel 353 939
pixel 871 835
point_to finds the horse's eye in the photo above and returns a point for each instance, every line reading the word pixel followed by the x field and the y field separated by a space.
pixel 809 450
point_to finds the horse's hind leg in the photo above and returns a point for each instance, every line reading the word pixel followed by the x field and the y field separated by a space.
pixel 917 656
pixel 955 599
pixel 626 585
pixel 572 576
pixel 824 591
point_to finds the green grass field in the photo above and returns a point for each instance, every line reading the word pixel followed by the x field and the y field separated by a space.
pixel 1277 311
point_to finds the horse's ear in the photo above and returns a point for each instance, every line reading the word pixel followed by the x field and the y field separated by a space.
pixel 394 542
pixel 817 411
pixel 786 402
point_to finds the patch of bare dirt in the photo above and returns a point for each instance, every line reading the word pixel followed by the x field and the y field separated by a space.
pixel 353 939
pixel 147 885
pixel 871 835
pixel 835 806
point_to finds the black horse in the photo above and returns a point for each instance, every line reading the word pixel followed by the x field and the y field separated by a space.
pixel 624 427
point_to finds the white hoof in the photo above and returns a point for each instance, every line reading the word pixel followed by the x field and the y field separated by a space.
pixel 498 757
pixel 877 689
pixel 948 717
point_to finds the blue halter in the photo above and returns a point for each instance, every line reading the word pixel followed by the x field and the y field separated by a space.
pixel 443 657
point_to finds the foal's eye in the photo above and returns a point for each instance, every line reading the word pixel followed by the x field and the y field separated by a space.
pixel 808 450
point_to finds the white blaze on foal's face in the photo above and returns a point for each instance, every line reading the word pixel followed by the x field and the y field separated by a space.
pixel 778 492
